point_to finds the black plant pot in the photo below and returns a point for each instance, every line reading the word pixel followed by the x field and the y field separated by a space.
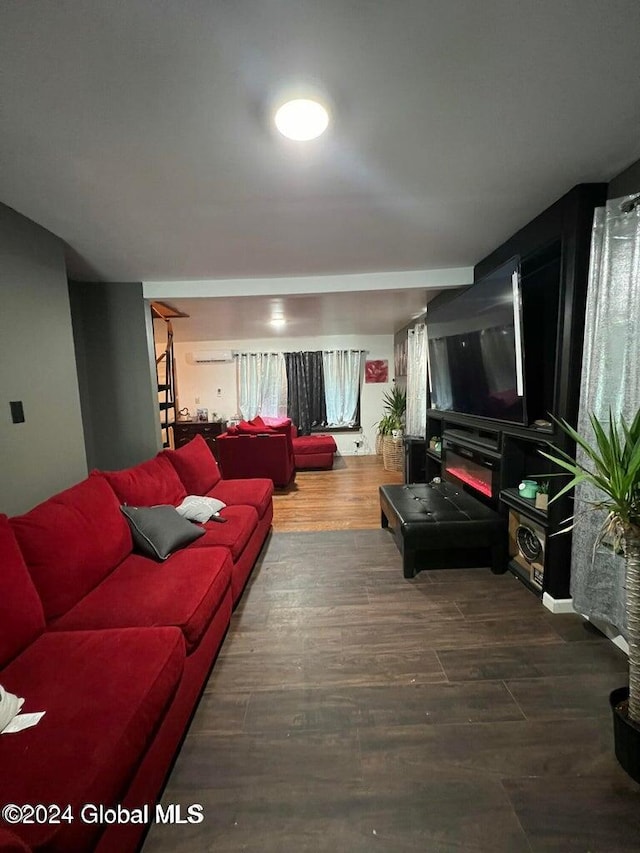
pixel 626 734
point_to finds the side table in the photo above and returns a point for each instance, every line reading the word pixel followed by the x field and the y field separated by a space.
pixel 184 431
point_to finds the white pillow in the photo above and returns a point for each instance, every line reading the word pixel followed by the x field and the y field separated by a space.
pixel 197 508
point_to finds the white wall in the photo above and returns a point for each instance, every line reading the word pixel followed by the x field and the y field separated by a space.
pixel 45 454
pixel 215 384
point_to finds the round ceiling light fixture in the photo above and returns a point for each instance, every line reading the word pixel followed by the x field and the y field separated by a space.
pixel 302 119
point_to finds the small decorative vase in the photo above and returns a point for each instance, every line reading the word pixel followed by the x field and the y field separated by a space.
pixel 528 489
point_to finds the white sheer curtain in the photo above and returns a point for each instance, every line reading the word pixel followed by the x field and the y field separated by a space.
pixel 610 380
pixel 262 384
pixel 273 402
pixel 342 372
pixel 416 419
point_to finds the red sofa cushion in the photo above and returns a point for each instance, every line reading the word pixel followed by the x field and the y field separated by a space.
pixel 152 482
pixel 253 428
pixel 72 541
pixel 255 492
pixel 277 423
pixel 314 444
pixel 21 614
pixel 195 465
pixel 104 693
pixel 259 422
pixel 10 843
pixel 233 534
pixel 185 591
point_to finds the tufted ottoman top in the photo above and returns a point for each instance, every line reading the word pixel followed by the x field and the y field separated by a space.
pixel 440 515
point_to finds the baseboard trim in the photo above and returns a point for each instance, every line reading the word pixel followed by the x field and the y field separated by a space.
pixel 557 605
pixel 611 633
pixel 565 605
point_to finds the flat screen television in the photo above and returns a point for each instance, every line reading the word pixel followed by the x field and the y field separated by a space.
pixel 476 363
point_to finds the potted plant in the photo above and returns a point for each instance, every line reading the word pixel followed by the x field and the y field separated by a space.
pixel 542 495
pixel 613 467
pixel 394 404
pixel 391 427
pixel 384 427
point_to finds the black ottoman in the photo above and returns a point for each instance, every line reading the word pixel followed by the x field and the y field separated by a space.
pixel 440 526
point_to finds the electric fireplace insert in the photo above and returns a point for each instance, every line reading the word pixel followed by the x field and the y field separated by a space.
pixel 474 467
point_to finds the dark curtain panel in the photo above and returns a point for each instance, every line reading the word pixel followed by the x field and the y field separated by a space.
pixel 305 390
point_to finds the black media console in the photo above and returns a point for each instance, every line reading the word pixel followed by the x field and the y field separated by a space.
pixel 488 459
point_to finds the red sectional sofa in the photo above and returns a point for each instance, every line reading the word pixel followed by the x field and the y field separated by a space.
pixel 272 447
pixel 114 646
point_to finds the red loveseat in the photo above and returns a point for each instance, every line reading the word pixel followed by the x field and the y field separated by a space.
pixel 114 646
pixel 256 448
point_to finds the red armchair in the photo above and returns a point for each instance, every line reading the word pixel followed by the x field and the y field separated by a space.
pixel 255 449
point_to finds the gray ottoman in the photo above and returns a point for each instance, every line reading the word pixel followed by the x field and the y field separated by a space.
pixel 440 526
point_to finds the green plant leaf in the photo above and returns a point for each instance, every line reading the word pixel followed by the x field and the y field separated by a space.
pixel 583 443
pixel 606 445
pixel 568 464
pixel 616 460
pixel 579 478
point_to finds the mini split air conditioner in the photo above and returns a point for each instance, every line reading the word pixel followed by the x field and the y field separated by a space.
pixel 211 356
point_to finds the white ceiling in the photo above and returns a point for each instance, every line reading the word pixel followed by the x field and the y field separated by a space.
pixel 307 315
pixel 137 131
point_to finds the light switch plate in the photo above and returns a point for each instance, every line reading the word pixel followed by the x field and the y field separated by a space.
pixel 17 411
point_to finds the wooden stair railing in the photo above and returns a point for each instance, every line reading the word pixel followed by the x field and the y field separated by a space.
pixel 166 372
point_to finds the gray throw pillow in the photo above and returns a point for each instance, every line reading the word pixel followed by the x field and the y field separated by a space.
pixel 158 531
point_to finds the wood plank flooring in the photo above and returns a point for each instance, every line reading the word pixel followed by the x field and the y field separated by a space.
pixel 344 498
pixel 353 710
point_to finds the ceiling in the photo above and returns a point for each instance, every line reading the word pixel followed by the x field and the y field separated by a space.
pixel 240 318
pixel 138 131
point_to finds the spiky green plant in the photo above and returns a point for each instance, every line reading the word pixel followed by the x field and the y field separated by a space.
pixel 612 467
pixel 394 404
pixel 387 424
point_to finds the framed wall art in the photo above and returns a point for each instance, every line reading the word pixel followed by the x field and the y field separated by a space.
pixel 376 370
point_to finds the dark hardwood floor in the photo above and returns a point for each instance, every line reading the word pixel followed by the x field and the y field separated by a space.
pixel 353 710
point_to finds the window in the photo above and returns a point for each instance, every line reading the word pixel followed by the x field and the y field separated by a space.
pixel 318 390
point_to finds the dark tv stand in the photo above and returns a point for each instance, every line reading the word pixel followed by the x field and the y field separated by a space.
pixel 554 251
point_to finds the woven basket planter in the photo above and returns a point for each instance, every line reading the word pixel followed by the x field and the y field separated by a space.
pixel 379 440
pixel 392 453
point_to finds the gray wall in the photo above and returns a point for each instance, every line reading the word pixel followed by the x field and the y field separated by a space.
pixel 626 183
pixel 114 352
pixel 37 365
